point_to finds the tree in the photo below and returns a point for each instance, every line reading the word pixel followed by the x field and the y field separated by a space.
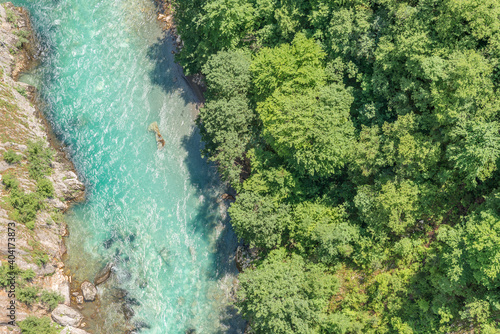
pixel 259 220
pixel 225 127
pixel 284 294
pixel 292 67
pixel 227 74
pixel 323 230
pixel 392 205
pixel 475 151
pixel 311 129
pixel 482 246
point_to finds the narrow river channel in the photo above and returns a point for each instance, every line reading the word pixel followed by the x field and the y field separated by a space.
pixel 107 72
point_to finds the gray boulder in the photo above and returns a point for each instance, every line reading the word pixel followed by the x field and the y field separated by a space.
pixel 66 316
pixel 89 291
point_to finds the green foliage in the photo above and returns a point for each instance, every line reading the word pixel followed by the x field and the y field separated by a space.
pixel 290 67
pixel 226 122
pixel 312 130
pixel 22 91
pixel 28 295
pixel 51 299
pixel 284 294
pixel 227 74
pixel 34 325
pixel 21 276
pixel 22 38
pixel 11 16
pixel 45 187
pixel 362 135
pixel 39 158
pixel 11 156
pixel 40 257
pixel 259 220
pixel 26 206
pixel 10 182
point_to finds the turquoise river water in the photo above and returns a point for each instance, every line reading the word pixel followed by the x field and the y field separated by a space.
pixel 106 73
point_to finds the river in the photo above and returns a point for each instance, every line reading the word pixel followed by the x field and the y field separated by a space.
pixel 107 71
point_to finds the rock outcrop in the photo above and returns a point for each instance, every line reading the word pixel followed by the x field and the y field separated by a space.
pixel 66 316
pixel 89 291
pixel 39 245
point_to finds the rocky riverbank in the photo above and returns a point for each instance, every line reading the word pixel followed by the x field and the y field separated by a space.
pixel 38 185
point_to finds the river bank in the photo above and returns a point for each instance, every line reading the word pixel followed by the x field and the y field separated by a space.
pixel 31 203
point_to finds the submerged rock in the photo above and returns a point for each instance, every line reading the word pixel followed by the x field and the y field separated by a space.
pixel 160 142
pixel 128 312
pixel 104 274
pixel 89 291
pixel 66 316
pixel 140 325
pixel 108 243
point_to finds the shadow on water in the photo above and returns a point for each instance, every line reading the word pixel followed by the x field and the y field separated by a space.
pixel 205 180
pixel 226 242
pixel 167 73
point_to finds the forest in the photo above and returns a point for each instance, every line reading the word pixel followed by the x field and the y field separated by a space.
pixel 362 138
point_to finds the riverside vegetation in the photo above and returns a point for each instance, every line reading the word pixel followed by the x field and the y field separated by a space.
pixel 362 137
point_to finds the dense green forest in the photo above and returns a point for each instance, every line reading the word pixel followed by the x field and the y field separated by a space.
pixel 362 137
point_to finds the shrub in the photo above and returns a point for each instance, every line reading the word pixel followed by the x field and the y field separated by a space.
pixel 23 38
pixel 10 182
pixel 39 257
pixel 39 158
pixel 34 325
pixel 27 275
pixel 51 299
pixel 6 273
pixel 26 206
pixel 28 295
pixel 11 157
pixel 44 187
pixel 21 91
pixel 11 17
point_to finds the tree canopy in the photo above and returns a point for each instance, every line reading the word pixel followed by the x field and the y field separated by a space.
pixel 363 139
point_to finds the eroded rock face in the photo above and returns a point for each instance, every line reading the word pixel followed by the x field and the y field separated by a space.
pixel 46 236
pixel 89 291
pixel 66 316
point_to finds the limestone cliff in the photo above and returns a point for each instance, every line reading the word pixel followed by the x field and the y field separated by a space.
pixel 38 184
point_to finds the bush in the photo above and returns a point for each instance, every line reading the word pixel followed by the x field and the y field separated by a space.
pixel 26 206
pixel 51 299
pixel 40 158
pixel 44 187
pixel 23 39
pixel 21 91
pixel 11 17
pixel 6 273
pixel 27 275
pixel 28 295
pixel 34 325
pixel 40 257
pixel 10 182
pixel 11 157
